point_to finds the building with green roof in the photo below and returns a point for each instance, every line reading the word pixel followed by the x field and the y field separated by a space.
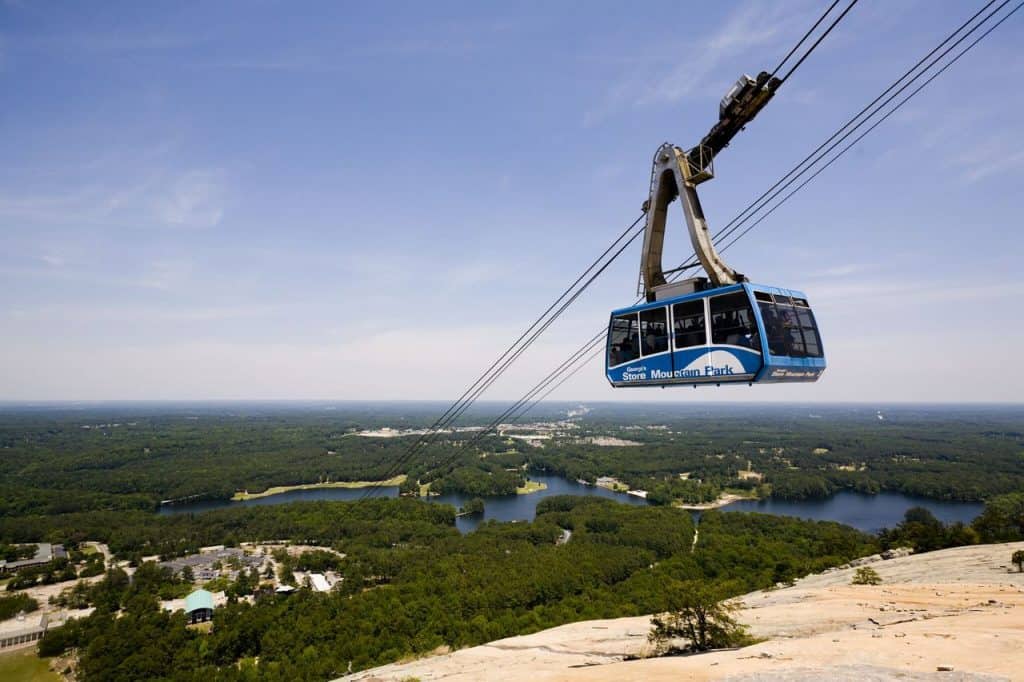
pixel 199 607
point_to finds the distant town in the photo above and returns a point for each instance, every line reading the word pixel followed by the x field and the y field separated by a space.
pixel 49 579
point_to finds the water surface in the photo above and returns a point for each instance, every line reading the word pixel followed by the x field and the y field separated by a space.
pixel 866 512
pixel 307 495
pixel 524 507
pixel 869 513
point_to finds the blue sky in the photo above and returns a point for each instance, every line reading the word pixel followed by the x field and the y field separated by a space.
pixel 355 200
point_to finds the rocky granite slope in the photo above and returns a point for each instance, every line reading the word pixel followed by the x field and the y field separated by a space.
pixel 957 614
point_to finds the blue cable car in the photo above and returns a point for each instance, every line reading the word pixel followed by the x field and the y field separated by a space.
pixel 715 330
pixel 743 333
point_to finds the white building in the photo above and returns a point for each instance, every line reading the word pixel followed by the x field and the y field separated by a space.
pixel 319 582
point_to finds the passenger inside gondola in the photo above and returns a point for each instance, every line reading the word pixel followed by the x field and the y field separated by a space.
pixel 689 324
pixel 623 346
pixel 790 326
pixel 654 330
pixel 732 321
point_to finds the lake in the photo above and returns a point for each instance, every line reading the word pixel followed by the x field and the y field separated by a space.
pixel 524 507
pixel 866 512
pixel 869 513
pixel 309 495
pixel 503 508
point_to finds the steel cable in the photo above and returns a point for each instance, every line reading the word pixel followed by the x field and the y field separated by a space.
pixel 510 414
pixel 795 173
pixel 560 376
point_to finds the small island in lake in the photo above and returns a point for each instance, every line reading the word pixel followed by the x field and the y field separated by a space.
pixel 472 507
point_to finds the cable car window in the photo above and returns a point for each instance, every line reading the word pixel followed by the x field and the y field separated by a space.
pixel 624 340
pixel 732 321
pixel 791 330
pixel 774 328
pixel 809 330
pixel 689 324
pixel 654 330
pixel 794 337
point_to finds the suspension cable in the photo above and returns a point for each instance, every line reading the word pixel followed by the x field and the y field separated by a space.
pixel 456 409
pixel 440 422
pixel 818 41
pixel 559 374
pixel 536 334
pixel 489 377
pixel 590 344
pixel 878 122
pixel 844 131
pixel 806 36
pixel 540 386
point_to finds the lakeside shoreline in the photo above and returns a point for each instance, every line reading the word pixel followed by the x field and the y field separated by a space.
pixel 244 495
pixel 723 500
pixel 528 489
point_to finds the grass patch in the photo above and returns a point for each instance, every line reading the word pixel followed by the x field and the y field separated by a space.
pixel 218 584
pixel 531 487
pixel 745 493
pixel 22 665
pixel 278 489
pixel 615 486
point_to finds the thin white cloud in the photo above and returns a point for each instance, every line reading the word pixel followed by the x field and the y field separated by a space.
pixel 994 146
pixel 298 63
pixel 747 31
pixel 196 199
pixel 985 163
pixel 746 28
pixel 472 275
pixel 166 275
pixel 136 314
pixel 193 199
pixel 446 39
pixel 420 46
pixel 912 294
pixel 82 41
pixel 844 270
pixel 55 206
pixel 368 365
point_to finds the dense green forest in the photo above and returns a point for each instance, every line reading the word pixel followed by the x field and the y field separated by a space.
pixel 941 453
pixel 13 604
pixel 412 583
pixel 55 461
pixel 375 523
pixel 1002 520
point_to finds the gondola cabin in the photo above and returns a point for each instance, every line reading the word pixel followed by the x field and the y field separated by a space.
pixel 740 333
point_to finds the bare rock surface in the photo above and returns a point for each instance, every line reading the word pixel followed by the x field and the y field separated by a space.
pixel 861 673
pixel 960 608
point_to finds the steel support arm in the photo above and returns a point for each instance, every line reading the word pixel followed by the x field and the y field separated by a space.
pixel 672 175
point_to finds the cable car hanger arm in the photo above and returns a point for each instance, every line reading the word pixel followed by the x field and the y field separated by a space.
pixel 677 173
